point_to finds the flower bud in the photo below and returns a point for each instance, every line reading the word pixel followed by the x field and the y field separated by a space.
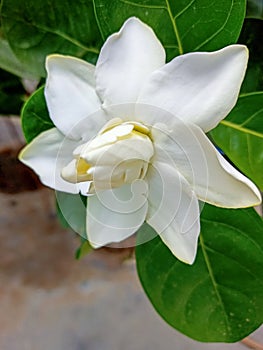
pixel 115 157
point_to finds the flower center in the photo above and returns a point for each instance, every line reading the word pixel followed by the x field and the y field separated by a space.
pixel 118 155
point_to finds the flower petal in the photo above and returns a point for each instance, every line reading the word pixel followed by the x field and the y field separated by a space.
pixel 200 87
pixel 46 155
pixel 173 211
pixel 126 60
pixel 212 178
pixel 151 115
pixel 114 215
pixel 71 96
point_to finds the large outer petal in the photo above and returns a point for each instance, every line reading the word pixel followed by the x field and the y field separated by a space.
pixel 46 155
pixel 173 211
pixel 126 60
pixel 114 215
pixel 212 178
pixel 71 96
pixel 198 87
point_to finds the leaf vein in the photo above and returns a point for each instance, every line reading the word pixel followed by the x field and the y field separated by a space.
pixel 213 280
pixel 233 228
pixel 217 32
pixel 233 259
pixel 175 29
pixel 241 128
pixel 58 33
pixel 184 9
pixel 143 5
pixel 251 117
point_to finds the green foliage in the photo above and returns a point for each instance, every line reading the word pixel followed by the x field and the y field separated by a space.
pixel 181 25
pixel 220 297
pixel 12 93
pixel 10 63
pixel 35 117
pixel 240 136
pixel 255 9
pixel 36 28
pixel 251 36
pixel 84 249
pixel 72 211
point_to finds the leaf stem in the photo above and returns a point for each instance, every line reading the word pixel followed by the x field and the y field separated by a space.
pixel 252 344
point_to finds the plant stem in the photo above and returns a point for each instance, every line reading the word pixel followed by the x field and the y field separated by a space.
pixel 252 344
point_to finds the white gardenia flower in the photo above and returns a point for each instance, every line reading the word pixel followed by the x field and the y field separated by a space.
pixel 130 133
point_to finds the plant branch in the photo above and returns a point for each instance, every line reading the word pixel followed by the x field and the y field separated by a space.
pixel 252 344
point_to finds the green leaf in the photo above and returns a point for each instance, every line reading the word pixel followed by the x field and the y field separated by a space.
pixel 36 28
pixel 35 117
pixel 84 249
pixel 72 211
pixel 240 136
pixel 10 63
pixel 12 93
pixel 251 36
pixel 255 9
pixel 181 25
pixel 220 297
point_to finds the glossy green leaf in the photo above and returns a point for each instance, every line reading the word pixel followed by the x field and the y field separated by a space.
pixel 36 28
pixel 251 36
pixel 255 9
pixel 181 25
pixel 10 63
pixel 72 211
pixel 12 94
pixel 35 117
pixel 240 136
pixel 220 297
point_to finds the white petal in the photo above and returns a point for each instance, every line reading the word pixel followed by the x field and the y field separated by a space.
pixel 46 155
pixel 212 178
pixel 71 96
pixel 114 215
pixel 249 196
pixel 150 115
pixel 126 60
pixel 198 87
pixel 173 211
